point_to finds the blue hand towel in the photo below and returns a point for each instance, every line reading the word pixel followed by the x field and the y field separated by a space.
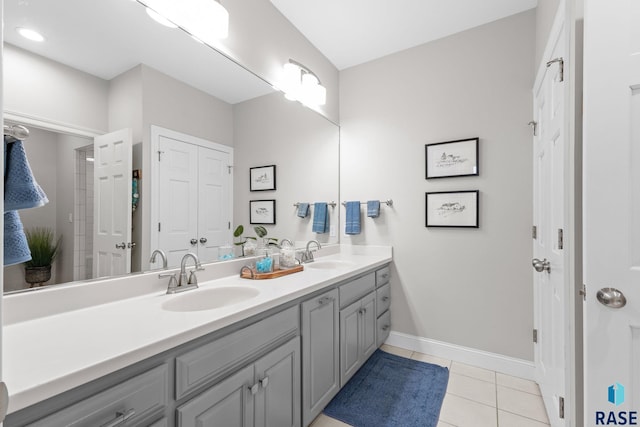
pixel 353 218
pixel 16 249
pixel 320 218
pixel 21 191
pixel 303 210
pixel 373 208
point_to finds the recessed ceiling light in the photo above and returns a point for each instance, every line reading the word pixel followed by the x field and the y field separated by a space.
pixel 30 34
pixel 160 19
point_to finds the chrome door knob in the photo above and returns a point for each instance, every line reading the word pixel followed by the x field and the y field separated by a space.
pixel 121 246
pixel 203 240
pixel 194 242
pixel 611 297
pixel 541 266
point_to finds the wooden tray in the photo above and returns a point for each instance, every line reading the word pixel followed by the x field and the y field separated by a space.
pixel 245 274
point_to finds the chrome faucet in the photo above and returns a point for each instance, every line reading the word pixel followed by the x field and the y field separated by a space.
pixel 185 283
pixel 162 255
pixel 307 255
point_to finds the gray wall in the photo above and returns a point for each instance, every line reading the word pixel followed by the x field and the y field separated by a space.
pixel 470 287
pixel 304 146
pixel 545 14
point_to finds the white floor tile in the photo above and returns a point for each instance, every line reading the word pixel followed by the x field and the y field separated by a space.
pixel 403 352
pixel 462 412
pixel 474 372
pixel 431 359
pixel 473 389
pixel 517 383
pixel 519 402
pixel 507 419
pixel 323 421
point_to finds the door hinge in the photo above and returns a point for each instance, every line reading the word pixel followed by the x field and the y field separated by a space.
pixel 534 232
pixel 561 407
pixel 560 62
pixel 560 238
pixel 534 126
pixel 160 154
pixel 535 336
pixel 158 227
pixel 229 167
pixel 583 292
pixel 229 225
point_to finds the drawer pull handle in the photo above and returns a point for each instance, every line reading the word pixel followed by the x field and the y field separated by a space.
pixel 254 388
pixel 385 298
pixel 264 382
pixel 121 418
pixel 323 301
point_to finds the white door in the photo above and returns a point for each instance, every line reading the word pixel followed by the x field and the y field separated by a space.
pixel 193 186
pixel 112 204
pixel 177 199
pixel 549 219
pixel 214 224
pixel 611 185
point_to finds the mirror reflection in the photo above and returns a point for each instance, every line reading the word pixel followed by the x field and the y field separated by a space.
pixel 187 124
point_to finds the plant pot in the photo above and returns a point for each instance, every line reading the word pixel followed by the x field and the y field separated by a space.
pixel 37 275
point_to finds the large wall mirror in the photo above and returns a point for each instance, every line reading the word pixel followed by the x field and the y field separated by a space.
pixel 196 122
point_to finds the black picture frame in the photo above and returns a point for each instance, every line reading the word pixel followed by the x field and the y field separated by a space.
pixel 262 212
pixel 452 209
pixel 452 158
pixel 262 178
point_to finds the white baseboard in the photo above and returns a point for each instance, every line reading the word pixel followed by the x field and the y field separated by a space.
pixel 470 356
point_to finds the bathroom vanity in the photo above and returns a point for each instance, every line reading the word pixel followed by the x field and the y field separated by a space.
pixel 275 355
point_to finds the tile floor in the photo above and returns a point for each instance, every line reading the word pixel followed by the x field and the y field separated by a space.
pixel 477 397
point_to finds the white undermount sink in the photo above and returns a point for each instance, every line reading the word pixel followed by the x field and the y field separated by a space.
pixel 330 264
pixel 208 299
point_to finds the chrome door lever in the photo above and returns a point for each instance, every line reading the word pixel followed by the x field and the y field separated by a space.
pixel 541 266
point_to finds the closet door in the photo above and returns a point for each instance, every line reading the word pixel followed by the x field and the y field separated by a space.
pixel 214 227
pixel 177 199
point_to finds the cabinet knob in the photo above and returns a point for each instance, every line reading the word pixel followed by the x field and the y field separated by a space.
pixel 254 388
pixel 323 301
pixel 264 382
pixel 385 298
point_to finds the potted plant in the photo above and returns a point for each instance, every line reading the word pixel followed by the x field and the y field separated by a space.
pixel 261 232
pixel 44 249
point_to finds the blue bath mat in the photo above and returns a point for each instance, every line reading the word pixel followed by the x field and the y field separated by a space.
pixel 391 391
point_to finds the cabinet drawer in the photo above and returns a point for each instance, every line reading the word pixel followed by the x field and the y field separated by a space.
pixel 382 276
pixel 133 399
pixel 383 299
pixel 206 363
pixel 384 327
pixel 356 289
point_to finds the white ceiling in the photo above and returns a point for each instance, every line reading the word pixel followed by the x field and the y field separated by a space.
pixel 351 32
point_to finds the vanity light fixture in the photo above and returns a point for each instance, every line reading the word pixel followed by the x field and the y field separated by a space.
pixel 30 34
pixel 206 20
pixel 301 84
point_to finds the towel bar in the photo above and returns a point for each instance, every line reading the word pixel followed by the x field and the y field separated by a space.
pixel 386 202
pixel 331 203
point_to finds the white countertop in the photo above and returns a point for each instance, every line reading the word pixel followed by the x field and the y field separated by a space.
pixel 50 351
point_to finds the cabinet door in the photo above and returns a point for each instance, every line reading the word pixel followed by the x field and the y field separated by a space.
pixel 227 404
pixel 320 353
pixel 369 326
pixel 277 404
pixel 349 341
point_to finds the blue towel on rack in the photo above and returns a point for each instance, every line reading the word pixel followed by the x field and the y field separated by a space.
pixel 303 210
pixel 320 218
pixel 21 191
pixel 353 218
pixel 373 208
pixel 16 249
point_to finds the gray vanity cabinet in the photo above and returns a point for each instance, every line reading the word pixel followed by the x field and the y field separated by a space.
pixel 357 335
pixel 320 353
pixel 265 393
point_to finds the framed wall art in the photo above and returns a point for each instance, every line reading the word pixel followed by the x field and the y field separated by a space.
pixel 262 212
pixel 262 178
pixel 452 209
pixel 452 158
